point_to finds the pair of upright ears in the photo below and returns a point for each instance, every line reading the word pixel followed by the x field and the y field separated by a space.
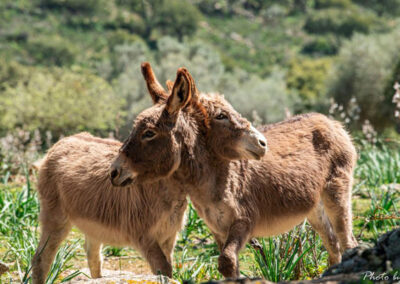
pixel 179 94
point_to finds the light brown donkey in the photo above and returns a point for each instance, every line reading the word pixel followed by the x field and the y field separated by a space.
pixel 306 172
pixel 75 189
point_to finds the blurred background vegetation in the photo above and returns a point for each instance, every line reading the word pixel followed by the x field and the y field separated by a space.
pixel 71 65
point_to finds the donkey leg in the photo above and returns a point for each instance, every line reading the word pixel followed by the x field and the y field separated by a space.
pixel 93 252
pixel 55 228
pixel 155 256
pixel 168 247
pixel 337 204
pixel 238 236
pixel 219 240
pixel 320 223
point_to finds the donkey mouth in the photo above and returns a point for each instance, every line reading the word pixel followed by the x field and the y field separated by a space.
pixel 256 156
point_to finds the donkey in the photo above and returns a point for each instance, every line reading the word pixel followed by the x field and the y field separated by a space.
pixel 239 192
pixel 75 189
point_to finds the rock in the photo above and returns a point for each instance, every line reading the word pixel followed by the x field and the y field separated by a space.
pixel 374 261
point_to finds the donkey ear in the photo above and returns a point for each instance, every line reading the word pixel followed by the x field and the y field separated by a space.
pixel 181 92
pixel 170 85
pixel 193 89
pixel 156 91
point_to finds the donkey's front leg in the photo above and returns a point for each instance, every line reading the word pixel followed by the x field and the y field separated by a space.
pixel 238 236
pixel 157 259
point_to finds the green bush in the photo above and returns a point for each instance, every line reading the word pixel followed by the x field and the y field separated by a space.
pixel 59 100
pixel 389 93
pixel 322 4
pixel 177 18
pixel 269 97
pixel 121 37
pixel 364 67
pixel 390 7
pixel 51 51
pixel 321 45
pixel 339 21
pixel 308 78
pixel 10 72
pixel 76 6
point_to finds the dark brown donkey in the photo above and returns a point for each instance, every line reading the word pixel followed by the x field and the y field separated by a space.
pixel 306 172
pixel 75 189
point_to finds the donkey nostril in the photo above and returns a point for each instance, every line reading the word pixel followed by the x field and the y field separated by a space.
pixel 262 143
pixel 114 174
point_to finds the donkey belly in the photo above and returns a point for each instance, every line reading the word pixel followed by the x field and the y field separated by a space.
pixel 102 233
pixel 277 225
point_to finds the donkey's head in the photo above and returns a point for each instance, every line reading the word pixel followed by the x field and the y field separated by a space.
pixel 230 135
pixel 179 121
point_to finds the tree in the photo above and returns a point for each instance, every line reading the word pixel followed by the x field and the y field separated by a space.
pixel 60 100
pixel 364 66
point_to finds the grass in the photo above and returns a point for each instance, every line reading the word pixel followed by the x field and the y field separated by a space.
pixel 279 259
pixel 298 254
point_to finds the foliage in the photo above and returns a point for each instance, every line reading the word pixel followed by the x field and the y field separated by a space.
pixel 177 18
pixel 19 228
pixel 280 258
pixel 270 97
pixel 75 6
pixel 321 45
pixel 308 78
pixel 59 100
pixel 389 91
pixel 51 51
pixel 322 4
pixel 364 67
pixel 339 21
pixel 378 165
pixel 388 7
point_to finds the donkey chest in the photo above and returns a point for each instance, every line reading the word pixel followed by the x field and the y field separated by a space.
pixel 217 216
pixel 170 220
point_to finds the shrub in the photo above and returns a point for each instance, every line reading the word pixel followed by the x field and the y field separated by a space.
pixel 59 100
pixel 308 78
pixel 177 18
pixel 391 7
pixel 51 51
pixel 339 21
pixel 321 4
pixel 389 92
pixel 10 72
pixel 326 45
pixel 364 66
pixel 76 6
pixel 269 97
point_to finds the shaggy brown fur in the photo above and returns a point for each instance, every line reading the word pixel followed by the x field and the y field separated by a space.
pixel 306 173
pixel 75 189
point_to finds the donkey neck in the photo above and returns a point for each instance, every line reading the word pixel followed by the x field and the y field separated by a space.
pixel 207 177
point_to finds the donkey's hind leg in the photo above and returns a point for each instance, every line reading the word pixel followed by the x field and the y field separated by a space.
pixel 320 223
pixel 93 252
pixel 55 228
pixel 337 204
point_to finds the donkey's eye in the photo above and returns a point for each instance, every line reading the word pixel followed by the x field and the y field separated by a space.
pixel 148 134
pixel 221 116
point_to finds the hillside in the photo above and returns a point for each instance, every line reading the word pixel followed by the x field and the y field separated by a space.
pixel 272 55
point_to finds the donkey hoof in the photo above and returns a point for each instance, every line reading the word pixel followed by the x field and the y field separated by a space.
pixel 227 266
